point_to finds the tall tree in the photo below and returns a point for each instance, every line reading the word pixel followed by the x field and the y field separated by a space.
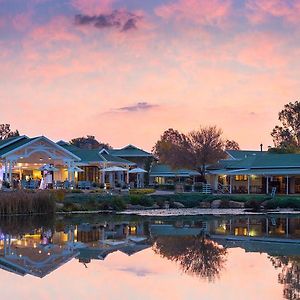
pixel 207 147
pixel 173 149
pixel 194 150
pixel 88 142
pixel 231 145
pixel 196 255
pixel 287 136
pixel 6 132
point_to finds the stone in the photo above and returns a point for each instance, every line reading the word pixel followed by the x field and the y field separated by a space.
pixel 178 205
pixel 235 204
pixel 216 204
pixel 204 204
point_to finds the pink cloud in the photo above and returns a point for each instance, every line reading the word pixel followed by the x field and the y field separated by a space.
pixel 92 7
pixel 261 10
pixel 57 30
pixel 213 12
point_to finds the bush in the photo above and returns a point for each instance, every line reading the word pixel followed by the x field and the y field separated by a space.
pixel 118 204
pixel 141 191
pixel 253 204
pixel 59 195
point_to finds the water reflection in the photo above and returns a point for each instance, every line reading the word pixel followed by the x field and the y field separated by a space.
pixel 196 255
pixel 199 245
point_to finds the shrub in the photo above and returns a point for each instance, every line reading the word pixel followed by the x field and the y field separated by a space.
pixel 118 204
pixel 141 191
pixel 253 204
pixel 59 195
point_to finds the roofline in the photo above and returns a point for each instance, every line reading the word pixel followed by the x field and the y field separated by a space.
pixel 13 141
pixel 37 139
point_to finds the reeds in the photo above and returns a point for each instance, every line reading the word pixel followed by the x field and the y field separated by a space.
pixel 26 202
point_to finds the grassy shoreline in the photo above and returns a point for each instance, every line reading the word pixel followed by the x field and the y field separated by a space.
pixel 59 201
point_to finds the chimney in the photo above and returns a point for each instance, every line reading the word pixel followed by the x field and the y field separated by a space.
pixel 261 147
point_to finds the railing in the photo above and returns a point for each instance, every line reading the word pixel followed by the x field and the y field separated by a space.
pixel 223 189
pixel 206 189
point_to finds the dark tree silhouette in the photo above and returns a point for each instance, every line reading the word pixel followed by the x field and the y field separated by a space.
pixel 287 136
pixel 289 275
pixel 231 145
pixel 88 142
pixel 194 150
pixel 196 255
pixel 6 132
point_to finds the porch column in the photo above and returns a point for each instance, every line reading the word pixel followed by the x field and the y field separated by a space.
pixel 127 175
pixel 230 184
pixel 68 164
pixel 10 173
pixel 267 226
pixel 248 184
pixel 287 226
pixel 287 185
pixel 267 185
pixel 5 170
pixel 103 174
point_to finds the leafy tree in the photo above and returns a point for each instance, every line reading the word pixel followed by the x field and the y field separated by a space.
pixel 231 145
pixel 173 149
pixel 88 142
pixel 6 132
pixel 194 150
pixel 195 255
pixel 289 276
pixel 287 136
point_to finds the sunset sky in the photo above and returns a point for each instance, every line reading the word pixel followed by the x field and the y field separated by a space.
pixel 125 71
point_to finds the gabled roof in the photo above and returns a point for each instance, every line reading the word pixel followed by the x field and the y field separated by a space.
pixel 94 155
pixel 130 151
pixel 8 141
pixel 14 144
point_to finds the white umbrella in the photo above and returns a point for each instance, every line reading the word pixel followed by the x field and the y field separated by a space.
pixel 48 168
pixel 75 169
pixel 114 169
pixel 137 170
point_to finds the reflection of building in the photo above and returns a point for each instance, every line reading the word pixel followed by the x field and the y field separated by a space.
pixel 41 251
pixel 254 226
pixel 29 255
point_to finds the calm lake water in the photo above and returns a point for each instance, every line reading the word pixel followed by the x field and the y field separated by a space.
pixel 135 257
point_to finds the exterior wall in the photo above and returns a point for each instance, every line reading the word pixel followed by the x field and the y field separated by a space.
pixel 91 173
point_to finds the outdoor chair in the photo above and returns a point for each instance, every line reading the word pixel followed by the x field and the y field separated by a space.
pixel 81 184
pixel 87 185
pixel 24 184
pixel 66 185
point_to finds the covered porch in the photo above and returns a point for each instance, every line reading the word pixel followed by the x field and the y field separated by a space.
pixel 256 181
pixel 28 162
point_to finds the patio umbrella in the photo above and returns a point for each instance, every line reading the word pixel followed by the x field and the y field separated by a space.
pixel 114 169
pixel 48 168
pixel 137 170
pixel 75 169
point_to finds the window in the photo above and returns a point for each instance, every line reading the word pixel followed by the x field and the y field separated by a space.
pixel 241 177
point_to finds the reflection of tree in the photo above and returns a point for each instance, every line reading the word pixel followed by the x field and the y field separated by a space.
pixel 196 255
pixel 289 276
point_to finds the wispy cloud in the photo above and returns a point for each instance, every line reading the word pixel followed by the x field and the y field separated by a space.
pixel 140 106
pixel 119 19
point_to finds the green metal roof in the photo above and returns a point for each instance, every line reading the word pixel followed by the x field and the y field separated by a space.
pixel 161 170
pixel 10 140
pixel 130 151
pixel 16 144
pixel 262 163
pixel 241 154
pixel 93 155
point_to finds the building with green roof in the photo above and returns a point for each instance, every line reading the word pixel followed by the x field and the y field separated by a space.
pixel 256 172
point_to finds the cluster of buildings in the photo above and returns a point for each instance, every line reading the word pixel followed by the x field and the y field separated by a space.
pixel 31 162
